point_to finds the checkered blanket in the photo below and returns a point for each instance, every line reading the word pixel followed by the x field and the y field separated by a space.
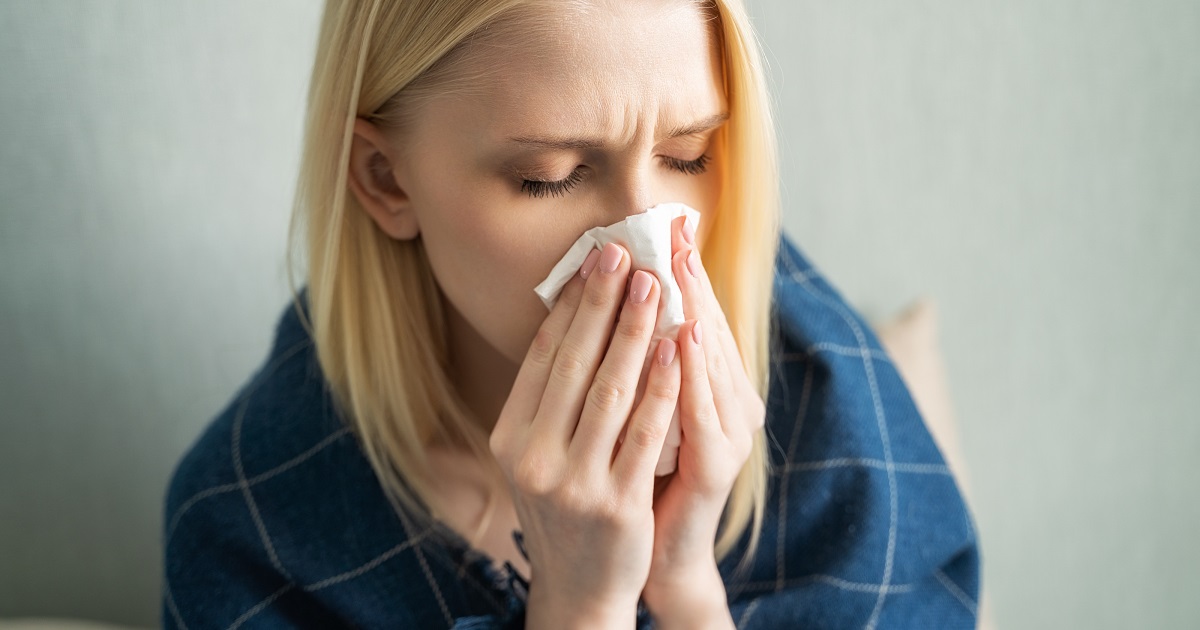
pixel 274 518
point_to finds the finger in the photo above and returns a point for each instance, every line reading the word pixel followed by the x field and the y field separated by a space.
pixel 610 397
pixel 582 348
pixel 698 416
pixel 530 383
pixel 724 335
pixel 638 457
pixel 682 236
pixel 696 305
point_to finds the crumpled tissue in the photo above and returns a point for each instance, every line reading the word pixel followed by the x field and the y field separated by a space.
pixel 647 237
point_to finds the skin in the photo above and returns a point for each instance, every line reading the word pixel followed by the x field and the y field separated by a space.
pixel 553 390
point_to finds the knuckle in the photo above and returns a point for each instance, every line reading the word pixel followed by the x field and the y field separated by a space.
pixel 705 414
pixel 541 351
pixel 597 296
pixel 607 394
pixel 665 390
pixel 717 365
pixel 571 293
pixel 534 476
pixel 646 435
pixel 569 364
pixel 633 329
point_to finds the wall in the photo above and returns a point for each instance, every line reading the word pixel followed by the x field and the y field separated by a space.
pixel 1034 165
pixel 148 152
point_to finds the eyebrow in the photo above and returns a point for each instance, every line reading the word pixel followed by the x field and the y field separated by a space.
pixel 697 127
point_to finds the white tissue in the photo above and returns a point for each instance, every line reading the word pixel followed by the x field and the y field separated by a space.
pixel 647 237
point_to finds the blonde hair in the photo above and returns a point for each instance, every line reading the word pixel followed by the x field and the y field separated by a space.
pixel 373 307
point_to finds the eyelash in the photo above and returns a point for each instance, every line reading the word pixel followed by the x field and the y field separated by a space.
pixel 689 167
pixel 539 189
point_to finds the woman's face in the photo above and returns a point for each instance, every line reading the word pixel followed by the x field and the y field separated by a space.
pixel 612 114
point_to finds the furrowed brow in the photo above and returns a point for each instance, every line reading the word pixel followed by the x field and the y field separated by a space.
pixel 697 127
pixel 700 126
pixel 558 143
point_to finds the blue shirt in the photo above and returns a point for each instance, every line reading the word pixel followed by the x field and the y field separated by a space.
pixel 274 517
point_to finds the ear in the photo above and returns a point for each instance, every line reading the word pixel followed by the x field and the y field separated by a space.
pixel 377 180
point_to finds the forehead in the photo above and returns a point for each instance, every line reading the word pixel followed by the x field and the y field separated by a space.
pixel 601 66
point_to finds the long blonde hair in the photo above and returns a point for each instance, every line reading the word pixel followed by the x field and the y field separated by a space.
pixel 373 307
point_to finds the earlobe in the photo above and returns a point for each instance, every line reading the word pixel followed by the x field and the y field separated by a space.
pixel 373 180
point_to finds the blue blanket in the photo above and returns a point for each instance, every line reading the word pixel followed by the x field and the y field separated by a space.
pixel 274 518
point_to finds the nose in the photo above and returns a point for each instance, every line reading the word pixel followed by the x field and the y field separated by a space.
pixel 633 192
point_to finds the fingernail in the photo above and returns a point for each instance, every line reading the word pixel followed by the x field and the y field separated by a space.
pixel 640 288
pixel 589 263
pixel 689 233
pixel 611 258
pixel 666 352
pixel 696 334
pixel 693 264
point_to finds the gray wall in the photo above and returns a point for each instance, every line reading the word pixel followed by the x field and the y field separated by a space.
pixel 147 156
pixel 1032 165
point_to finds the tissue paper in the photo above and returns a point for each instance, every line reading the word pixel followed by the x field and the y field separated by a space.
pixel 647 237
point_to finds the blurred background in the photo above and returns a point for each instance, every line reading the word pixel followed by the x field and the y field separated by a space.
pixel 1032 166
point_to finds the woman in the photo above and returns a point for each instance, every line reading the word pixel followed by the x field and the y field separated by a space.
pixel 427 447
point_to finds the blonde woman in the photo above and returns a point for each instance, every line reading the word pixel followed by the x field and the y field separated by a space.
pixel 428 447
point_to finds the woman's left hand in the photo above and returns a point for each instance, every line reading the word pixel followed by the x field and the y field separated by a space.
pixel 720 412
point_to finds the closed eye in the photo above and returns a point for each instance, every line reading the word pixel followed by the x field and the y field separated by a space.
pixel 690 167
pixel 540 188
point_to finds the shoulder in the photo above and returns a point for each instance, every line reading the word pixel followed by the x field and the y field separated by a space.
pixel 276 513
pixel 864 523
pixel 278 436
pixel 823 352
pixel 835 393
pixel 282 410
pixel 808 309
pixel 228 545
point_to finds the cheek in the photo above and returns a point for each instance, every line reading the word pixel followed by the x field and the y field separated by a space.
pixel 702 192
pixel 488 256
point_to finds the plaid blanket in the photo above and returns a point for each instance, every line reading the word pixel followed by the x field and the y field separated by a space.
pixel 274 518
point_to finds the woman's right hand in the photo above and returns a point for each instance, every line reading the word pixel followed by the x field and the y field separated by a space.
pixel 584 497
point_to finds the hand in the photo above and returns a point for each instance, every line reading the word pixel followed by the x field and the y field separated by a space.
pixel 584 501
pixel 720 413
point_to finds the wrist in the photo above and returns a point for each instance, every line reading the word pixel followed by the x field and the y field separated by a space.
pixel 695 599
pixel 545 610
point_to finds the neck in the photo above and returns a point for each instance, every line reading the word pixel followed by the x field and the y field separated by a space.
pixel 481 374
